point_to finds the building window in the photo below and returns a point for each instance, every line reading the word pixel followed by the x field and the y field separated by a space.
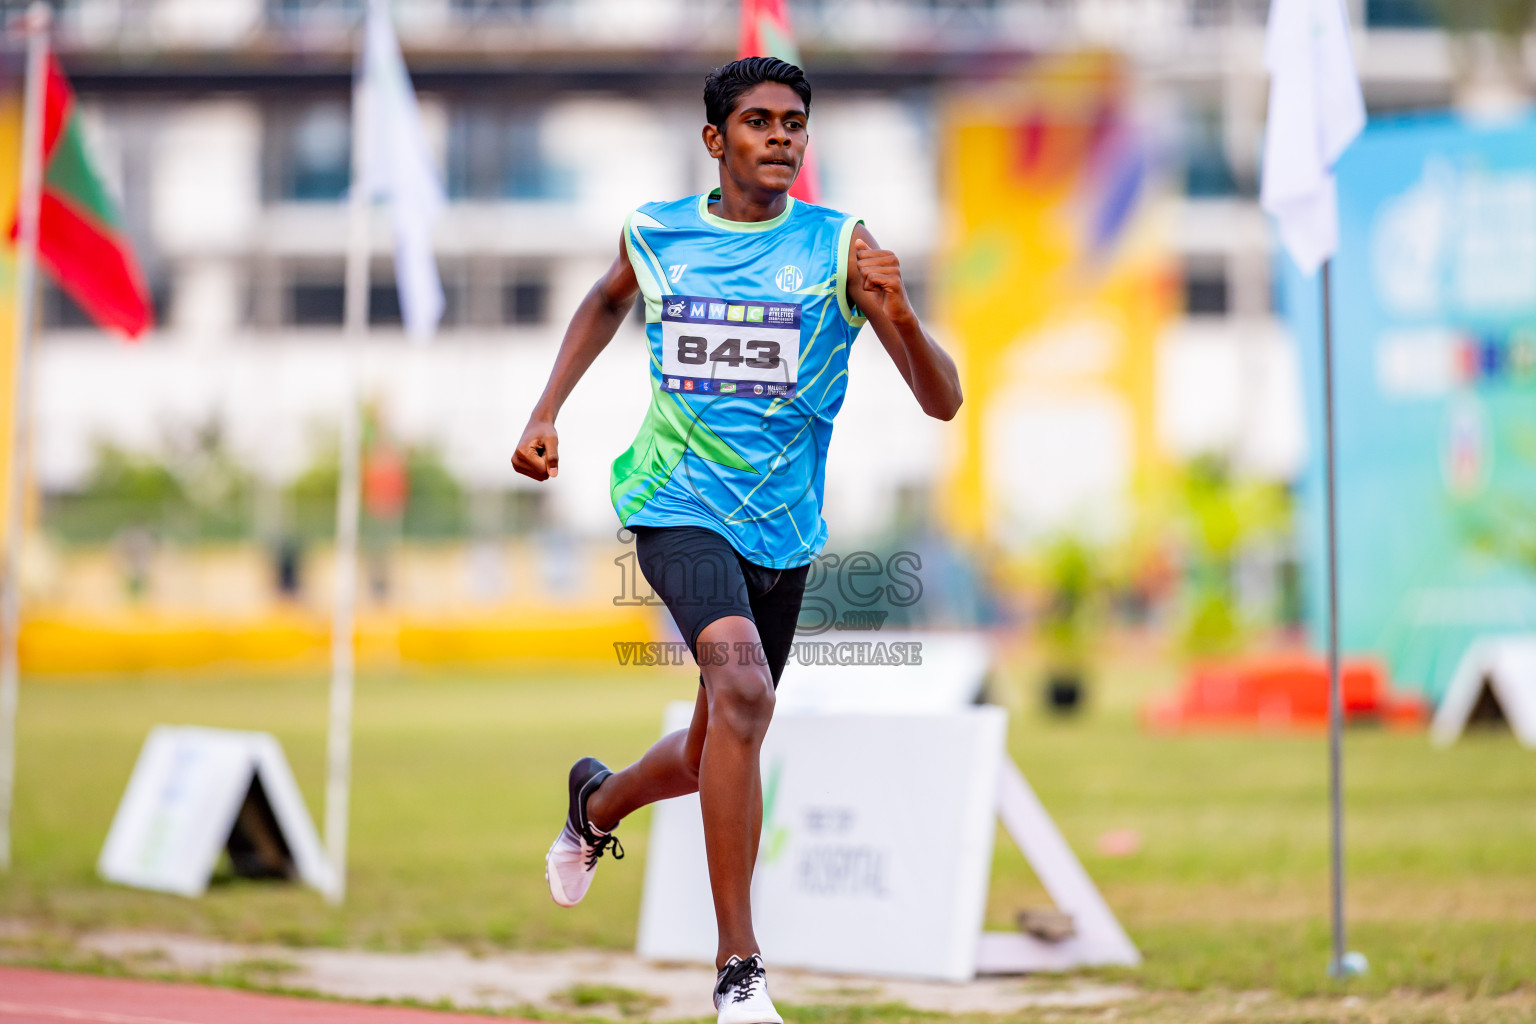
pixel 1207 172
pixel 308 153
pixel 476 11
pixel 1208 13
pixel 1206 292
pixel 455 293
pixel 317 297
pixel 68 16
pixel 916 284
pixel 314 13
pixel 525 301
pixel 1220 13
pixel 978 14
pixel 60 312
pixel 317 304
pixel 1399 14
pixel 384 304
pixel 499 153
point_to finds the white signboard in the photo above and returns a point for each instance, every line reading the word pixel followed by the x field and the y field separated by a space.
pixel 876 846
pixel 935 672
pixel 881 787
pixel 1506 668
pixel 182 803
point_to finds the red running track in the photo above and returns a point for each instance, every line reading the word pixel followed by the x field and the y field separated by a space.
pixel 49 997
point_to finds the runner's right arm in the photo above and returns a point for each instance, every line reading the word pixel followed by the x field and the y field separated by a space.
pixel 591 329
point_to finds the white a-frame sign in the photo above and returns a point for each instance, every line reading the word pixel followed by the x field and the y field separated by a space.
pixel 1096 938
pixel 1495 679
pixel 876 853
pixel 196 793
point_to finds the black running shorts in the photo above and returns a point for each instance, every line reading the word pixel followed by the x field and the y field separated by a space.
pixel 702 578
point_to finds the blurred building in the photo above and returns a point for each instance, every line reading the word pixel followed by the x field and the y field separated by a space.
pixel 224 126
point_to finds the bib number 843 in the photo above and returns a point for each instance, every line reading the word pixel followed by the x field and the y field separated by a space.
pixel 694 350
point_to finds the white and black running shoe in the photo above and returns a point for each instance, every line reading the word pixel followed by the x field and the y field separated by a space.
pixel 572 860
pixel 741 993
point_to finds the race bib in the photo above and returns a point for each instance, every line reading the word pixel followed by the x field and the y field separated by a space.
pixel 721 347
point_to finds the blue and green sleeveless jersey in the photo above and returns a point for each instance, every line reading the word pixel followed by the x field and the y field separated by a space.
pixel 749 328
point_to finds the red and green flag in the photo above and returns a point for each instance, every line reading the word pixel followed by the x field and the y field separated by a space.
pixel 765 33
pixel 80 230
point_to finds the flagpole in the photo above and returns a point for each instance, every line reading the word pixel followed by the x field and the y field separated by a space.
pixel 1336 965
pixel 27 216
pixel 348 492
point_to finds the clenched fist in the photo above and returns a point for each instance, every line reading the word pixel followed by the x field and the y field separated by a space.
pixel 538 452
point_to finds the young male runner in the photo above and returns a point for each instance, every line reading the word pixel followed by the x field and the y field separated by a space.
pixel 751 300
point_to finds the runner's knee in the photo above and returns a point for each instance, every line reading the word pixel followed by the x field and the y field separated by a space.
pixel 741 700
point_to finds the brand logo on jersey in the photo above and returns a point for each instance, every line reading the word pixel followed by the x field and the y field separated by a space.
pixel 754 314
pixel 717 311
pixel 673 383
pixel 675 271
pixel 757 389
pixel 736 313
pixel 676 308
pixel 789 278
pixel 727 388
pixel 696 310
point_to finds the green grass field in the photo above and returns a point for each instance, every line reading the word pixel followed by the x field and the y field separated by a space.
pixel 459 788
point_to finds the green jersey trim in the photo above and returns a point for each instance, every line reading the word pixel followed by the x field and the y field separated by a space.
pixel 647 267
pixel 844 240
pixel 670 430
pixel 741 225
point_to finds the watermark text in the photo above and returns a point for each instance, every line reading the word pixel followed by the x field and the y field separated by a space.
pixel 648 654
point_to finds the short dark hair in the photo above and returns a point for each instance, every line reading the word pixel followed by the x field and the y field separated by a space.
pixel 724 85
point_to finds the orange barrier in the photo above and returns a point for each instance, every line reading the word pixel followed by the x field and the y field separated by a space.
pixel 1280 691
pixel 140 640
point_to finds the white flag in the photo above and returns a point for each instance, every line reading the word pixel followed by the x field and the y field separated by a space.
pixel 1315 111
pixel 401 172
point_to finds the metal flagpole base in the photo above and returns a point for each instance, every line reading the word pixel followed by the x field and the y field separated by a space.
pixel 1352 966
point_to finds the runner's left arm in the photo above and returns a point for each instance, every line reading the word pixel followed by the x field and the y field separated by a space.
pixel 876 288
pixel 592 328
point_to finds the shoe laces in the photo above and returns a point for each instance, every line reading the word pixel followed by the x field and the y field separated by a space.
pixel 743 976
pixel 610 843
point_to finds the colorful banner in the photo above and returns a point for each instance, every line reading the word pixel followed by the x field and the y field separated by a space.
pixel 1435 388
pixel 1054 289
pixel 765 32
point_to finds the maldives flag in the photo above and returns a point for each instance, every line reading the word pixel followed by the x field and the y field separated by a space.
pixel 765 33
pixel 80 232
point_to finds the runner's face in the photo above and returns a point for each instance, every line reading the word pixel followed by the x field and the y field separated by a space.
pixel 764 139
